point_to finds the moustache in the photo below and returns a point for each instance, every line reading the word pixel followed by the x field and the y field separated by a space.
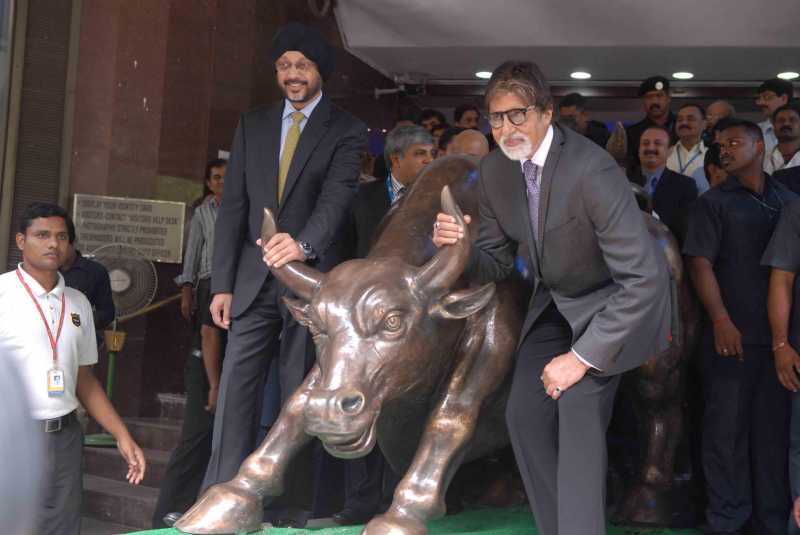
pixel 293 81
pixel 654 107
pixel 684 127
pixel 787 129
pixel 650 153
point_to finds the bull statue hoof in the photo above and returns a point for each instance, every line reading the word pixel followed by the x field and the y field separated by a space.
pixel 394 525
pixel 224 508
pixel 645 505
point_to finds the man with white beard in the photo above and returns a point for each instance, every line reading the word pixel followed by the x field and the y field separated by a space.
pixel 601 298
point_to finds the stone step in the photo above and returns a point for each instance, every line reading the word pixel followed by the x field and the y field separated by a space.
pixel 92 526
pixel 154 433
pixel 172 406
pixel 121 503
pixel 108 463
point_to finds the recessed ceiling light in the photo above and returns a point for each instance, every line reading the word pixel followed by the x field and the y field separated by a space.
pixel 789 75
pixel 484 75
pixel 682 75
pixel 580 75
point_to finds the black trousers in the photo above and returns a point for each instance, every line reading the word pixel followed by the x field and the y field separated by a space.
pixel 62 482
pixel 745 441
pixel 189 459
pixel 236 423
pixel 363 479
pixel 560 446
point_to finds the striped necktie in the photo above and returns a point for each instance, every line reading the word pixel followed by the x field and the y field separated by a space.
pixel 531 172
pixel 289 147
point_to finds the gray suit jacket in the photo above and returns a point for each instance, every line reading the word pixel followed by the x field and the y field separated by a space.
pixel 593 256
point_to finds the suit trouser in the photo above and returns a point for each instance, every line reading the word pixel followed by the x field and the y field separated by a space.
pixel 189 459
pixel 560 446
pixel 363 480
pixel 236 419
pixel 62 482
pixel 745 441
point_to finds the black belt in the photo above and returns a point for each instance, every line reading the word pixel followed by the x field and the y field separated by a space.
pixel 54 425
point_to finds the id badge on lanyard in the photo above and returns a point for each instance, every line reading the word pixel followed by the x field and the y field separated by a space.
pixel 55 375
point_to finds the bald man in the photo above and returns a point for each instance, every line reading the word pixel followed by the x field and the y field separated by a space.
pixel 469 143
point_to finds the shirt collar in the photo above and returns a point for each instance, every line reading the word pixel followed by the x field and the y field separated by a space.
pixel 732 183
pixel 37 289
pixel 307 110
pixel 397 186
pixel 697 146
pixel 657 173
pixel 540 156
pixel 766 125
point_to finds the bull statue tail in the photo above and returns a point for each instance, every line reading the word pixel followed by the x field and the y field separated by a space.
pixel 302 279
pixel 447 265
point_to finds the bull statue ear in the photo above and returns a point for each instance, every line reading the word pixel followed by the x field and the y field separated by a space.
pixel 463 303
pixel 300 310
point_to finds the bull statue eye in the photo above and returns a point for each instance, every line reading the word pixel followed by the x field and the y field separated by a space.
pixel 393 322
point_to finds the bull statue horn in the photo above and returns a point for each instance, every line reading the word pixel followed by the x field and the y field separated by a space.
pixel 303 280
pixel 447 265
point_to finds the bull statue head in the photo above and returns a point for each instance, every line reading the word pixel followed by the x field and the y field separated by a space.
pixel 377 324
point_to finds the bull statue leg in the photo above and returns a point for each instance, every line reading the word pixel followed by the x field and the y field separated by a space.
pixel 236 506
pixel 657 391
pixel 486 359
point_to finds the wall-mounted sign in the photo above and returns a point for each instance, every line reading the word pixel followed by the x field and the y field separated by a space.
pixel 153 227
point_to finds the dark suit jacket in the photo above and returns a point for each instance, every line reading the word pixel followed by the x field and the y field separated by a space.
pixel 596 260
pixel 674 194
pixel 372 203
pixel 320 187
pixel 790 178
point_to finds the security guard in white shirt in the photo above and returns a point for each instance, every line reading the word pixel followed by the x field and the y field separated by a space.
pixel 47 333
pixel 688 154
pixel 786 153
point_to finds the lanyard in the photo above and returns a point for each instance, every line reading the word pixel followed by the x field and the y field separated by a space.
pixel 680 162
pixel 53 341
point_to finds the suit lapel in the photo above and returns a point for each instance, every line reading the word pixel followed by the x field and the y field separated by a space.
pixel 547 182
pixel 310 137
pixel 267 143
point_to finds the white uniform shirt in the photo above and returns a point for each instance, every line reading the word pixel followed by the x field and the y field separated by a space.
pixel 770 139
pixel 24 341
pixel 774 161
pixel 685 162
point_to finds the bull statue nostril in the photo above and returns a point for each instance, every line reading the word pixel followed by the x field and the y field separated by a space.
pixel 352 404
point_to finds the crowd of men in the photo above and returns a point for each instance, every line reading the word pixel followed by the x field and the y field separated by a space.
pixel 725 187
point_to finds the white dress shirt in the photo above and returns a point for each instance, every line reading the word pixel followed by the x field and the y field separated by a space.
pixel 770 140
pixel 774 161
pixel 685 162
pixel 25 345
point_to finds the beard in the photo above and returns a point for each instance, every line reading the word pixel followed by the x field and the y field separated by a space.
pixel 307 91
pixel 518 152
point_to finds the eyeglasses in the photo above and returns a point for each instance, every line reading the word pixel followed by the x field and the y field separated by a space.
pixel 300 66
pixel 516 116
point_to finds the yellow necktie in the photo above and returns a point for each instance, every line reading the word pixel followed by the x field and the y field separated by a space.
pixel 288 151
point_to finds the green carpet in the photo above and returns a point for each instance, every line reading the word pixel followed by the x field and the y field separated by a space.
pixel 516 521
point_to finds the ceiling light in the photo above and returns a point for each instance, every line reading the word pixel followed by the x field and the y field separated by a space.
pixel 682 75
pixel 580 75
pixel 484 75
pixel 789 75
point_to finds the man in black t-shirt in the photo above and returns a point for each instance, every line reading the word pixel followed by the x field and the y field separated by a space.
pixel 783 256
pixel 745 422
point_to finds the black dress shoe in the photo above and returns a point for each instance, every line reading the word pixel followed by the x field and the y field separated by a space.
pixel 289 522
pixel 170 518
pixel 350 517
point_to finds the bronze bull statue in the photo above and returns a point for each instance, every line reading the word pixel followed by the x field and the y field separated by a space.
pixel 409 355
